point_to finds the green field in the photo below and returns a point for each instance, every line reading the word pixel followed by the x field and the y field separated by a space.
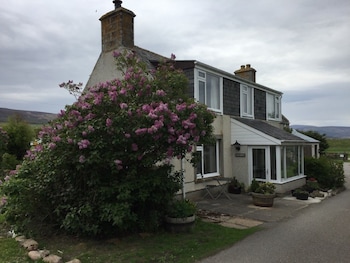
pixel 338 146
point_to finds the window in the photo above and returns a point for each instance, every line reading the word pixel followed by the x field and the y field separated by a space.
pixel 247 101
pixel 209 90
pixel 291 161
pixel 208 164
pixel 273 106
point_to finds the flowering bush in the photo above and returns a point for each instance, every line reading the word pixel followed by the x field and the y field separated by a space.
pixel 103 164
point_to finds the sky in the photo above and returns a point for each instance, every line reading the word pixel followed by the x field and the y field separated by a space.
pixel 298 47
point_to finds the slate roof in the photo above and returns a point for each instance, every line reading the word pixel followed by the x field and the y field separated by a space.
pixel 271 130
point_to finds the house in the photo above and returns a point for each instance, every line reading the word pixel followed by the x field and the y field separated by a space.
pixel 250 139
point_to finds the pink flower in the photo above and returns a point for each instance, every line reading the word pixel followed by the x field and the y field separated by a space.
pixel 141 131
pixel 52 145
pixel 160 93
pixel 181 140
pixel 108 122
pixel 127 135
pixel 112 95
pixel 90 128
pixel 134 147
pixel 118 163
pixel 83 144
pixel 123 105
pixel 81 159
pixel 181 107
pixel 56 138
pixel 174 117
pixel 116 54
pixel 122 91
pixel 188 125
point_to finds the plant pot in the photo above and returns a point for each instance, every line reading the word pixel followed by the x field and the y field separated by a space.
pixel 179 225
pixel 234 189
pixel 265 200
pixel 302 196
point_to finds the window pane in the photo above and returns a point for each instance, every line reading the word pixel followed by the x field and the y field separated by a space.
pixel 283 168
pixel 247 101
pixel 202 92
pixel 213 91
pixel 270 106
pixel 259 163
pixel 292 161
pixel 273 163
pixel 199 163
pixel 210 159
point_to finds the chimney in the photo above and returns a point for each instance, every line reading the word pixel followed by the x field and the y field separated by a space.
pixel 246 72
pixel 117 28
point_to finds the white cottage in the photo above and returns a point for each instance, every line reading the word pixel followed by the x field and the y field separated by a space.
pixel 251 142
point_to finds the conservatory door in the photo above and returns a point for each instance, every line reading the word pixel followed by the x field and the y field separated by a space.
pixel 259 163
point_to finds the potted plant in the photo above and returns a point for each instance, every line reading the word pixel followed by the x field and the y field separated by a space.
pixel 301 194
pixel 263 193
pixel 234 187
pixel 180 216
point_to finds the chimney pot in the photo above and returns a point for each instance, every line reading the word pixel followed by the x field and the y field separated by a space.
pixel 117 4
pixel 248 65
pixel 242 66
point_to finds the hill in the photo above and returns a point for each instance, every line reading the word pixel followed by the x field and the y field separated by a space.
pixel 329 131
pixel 32 117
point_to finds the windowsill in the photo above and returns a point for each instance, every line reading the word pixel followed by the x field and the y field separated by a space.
pixel 201 179
pixel 288 180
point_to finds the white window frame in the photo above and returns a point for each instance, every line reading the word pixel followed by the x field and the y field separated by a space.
pixel 300 163
pixel 275 100
pixel 281 163
pixel 200 148
pixel 246 101
pixel 200 75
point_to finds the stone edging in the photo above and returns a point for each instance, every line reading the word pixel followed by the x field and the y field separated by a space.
pixel 36 254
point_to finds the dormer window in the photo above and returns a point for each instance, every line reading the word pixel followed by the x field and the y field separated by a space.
pixel 273 106
pixel 208 90
pixel 247 101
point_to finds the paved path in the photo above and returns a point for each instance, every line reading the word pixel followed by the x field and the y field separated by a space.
pixel 320 233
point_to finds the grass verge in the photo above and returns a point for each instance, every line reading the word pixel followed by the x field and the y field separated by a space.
pixel 206 239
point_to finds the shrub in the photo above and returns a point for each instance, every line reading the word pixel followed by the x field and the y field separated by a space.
pixel 328 173
pixel 265 188
pixel 181 208
pixel 20 134
pixel 102 166
pixel 254 185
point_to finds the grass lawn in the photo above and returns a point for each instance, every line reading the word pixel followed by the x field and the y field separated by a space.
pixel 338 146
pixel 206 239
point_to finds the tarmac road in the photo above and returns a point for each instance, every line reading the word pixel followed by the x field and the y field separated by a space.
pixel 320 233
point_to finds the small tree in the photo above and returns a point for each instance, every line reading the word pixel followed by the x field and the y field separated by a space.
pixel 320 137
pixel 103 164
pixel 20 134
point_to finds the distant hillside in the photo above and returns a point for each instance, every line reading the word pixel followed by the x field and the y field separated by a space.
pixel 330 131
pixel 32 117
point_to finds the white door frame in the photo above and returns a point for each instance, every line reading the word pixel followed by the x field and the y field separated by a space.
pixel 267 162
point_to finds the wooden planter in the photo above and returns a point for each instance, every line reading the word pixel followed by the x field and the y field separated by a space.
pixel 179 225
pixel 265 200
